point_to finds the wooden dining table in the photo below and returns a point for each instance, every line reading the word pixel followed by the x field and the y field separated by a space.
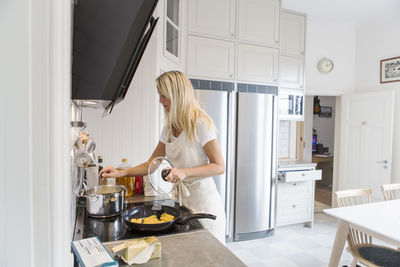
pixel 381 220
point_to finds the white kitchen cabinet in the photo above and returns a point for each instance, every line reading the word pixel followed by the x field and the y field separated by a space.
pixel 292 34
pixel 295 194
pixel 291 72
pixel 210 17
pixel 210 58
pixel 291 104
pixel 258 21
pixel 172 30
pixel 257 63
pixel 291 66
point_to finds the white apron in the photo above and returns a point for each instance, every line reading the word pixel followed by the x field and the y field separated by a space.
pixel 204 196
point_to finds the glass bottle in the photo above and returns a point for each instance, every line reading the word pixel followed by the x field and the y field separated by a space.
pixel 128 182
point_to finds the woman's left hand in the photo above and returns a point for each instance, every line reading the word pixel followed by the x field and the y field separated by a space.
pixel 176 175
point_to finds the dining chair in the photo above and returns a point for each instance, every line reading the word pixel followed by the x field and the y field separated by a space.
pixel 391 191
pixel 360 244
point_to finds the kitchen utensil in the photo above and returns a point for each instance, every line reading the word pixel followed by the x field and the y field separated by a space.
pixel 105 201
pixel 92 178
pixel 145 211
pixel 84 147
pixel 157 168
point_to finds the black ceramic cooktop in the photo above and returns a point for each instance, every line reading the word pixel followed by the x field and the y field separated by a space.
pixel 115 228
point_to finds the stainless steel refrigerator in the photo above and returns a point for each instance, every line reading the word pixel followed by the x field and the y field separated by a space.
pixel 246 118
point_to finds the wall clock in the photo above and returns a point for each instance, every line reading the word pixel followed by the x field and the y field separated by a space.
pixel 325 65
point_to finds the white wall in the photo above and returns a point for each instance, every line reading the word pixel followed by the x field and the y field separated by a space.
pixel 326 126
pixel 35 91
pixel 15 189
pixel 377 41
pixel 287 139
pixel 337 42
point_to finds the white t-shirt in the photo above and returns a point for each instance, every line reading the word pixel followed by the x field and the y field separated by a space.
pixel 186 154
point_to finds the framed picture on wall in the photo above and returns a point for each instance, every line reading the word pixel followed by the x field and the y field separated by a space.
pixel 325 112
pixel 390 70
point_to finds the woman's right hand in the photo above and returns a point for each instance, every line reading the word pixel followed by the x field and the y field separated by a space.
pixel 110 172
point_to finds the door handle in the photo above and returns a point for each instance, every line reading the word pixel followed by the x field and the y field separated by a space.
pixel 384 161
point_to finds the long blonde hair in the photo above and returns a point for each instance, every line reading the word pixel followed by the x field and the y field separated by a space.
pixel 184 111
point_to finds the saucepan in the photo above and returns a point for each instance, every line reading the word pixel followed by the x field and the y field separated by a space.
pixel 145 211
pixel 105 201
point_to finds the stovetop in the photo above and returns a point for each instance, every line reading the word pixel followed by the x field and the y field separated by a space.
pixel 114 228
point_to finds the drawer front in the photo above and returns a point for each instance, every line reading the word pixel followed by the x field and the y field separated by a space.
pixel 294 190
pixel 301 176
pixel 293 211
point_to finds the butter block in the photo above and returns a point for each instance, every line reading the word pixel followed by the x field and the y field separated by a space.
pixel 130 249
pixel 157 251
pixel 134 249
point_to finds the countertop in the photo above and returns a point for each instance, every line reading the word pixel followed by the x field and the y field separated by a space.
pixel 294 165
pixel 196 248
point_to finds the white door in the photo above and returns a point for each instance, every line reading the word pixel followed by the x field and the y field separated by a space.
pixel 257 63
pixel 212 58
pixel 210 17
pixel 366 141
pixel 259 21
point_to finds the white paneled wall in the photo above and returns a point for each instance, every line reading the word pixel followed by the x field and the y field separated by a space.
pixel 287 140
pixel 132 129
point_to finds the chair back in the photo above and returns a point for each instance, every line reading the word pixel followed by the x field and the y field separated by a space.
pixel 351 198
pixel 391 191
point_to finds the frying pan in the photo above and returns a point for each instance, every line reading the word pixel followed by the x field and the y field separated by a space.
pixel 145 211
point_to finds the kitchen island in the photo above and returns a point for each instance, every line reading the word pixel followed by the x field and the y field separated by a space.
pixel 196 248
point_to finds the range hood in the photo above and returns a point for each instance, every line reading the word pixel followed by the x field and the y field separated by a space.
pixel 109 39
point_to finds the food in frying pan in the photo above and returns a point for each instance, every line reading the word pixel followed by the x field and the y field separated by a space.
pixel 165 217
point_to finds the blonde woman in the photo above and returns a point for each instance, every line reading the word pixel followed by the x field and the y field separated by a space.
pixel 189 141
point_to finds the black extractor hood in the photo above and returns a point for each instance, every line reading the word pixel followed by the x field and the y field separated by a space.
pixel 109 39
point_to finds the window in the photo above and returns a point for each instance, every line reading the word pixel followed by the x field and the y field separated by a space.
pixel 172 30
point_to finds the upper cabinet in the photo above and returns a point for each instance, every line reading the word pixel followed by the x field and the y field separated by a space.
pixel 257 63
pixel 258 21
pixel 213 18
pixel 291 72
pixel 291 66
pixel 210 58
pixel 292 34
pixel 172 30
pixel 234 40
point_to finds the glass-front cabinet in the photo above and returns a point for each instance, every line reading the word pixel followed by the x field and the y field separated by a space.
pixel 291 104
pixel 172 32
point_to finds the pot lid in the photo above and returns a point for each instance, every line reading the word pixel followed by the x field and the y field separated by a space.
pixel 154 175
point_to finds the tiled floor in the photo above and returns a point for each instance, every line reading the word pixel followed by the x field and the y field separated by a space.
pixel 293 246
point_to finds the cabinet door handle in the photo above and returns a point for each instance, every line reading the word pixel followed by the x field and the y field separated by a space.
pixel 294 184
pixel 293 206
pixel 384 161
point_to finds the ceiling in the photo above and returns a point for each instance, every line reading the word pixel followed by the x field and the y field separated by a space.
pixel 354 11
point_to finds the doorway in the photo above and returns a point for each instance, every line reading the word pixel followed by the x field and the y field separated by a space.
pixel 319 129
